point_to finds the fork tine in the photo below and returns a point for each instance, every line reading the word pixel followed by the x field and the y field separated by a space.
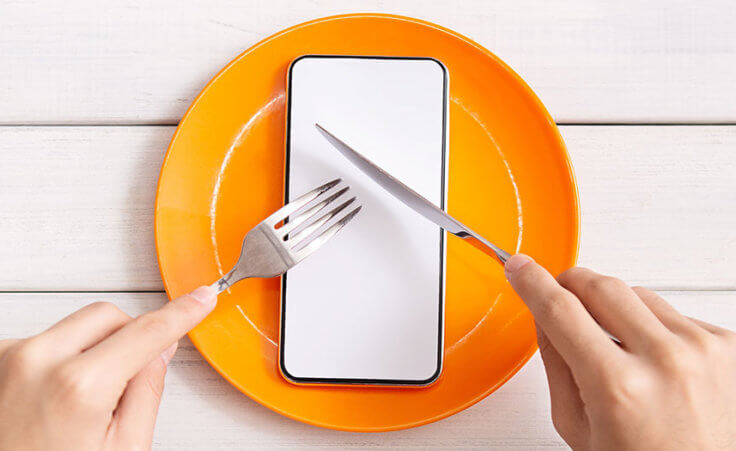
pixel 311 228
pixel 301 218
pixel 283 212
pixel 322 238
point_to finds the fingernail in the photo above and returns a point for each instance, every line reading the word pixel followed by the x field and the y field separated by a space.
pixel 205 295
pixel 515 263
pixel 168 354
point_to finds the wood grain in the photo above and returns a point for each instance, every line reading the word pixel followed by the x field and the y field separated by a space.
pixel 76 62
pixel 658 205
pixel 76 201
pixel 201 410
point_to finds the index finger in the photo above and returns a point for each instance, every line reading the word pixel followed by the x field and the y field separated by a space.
pixel 140 341
pixel 567 324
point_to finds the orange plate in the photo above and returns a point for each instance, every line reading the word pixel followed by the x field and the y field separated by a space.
pixel 510 179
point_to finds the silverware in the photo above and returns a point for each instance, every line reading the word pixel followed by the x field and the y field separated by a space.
pixel 291 234
pixel 413 200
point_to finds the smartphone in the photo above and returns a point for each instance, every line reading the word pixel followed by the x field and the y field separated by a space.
pixel 367 308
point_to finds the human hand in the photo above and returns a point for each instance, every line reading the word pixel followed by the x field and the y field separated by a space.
pixel 93 380
pixel 669 384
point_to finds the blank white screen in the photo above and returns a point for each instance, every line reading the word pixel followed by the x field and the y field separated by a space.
pixel 367 305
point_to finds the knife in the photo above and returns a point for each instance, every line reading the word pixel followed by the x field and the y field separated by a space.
pixel 414 200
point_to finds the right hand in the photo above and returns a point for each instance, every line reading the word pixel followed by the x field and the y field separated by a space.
pixel 670 384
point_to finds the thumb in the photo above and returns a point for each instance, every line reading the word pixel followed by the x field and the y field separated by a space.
pixel 558 312
pixel 140 341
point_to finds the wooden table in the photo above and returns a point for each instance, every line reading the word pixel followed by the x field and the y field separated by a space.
pixel 644 93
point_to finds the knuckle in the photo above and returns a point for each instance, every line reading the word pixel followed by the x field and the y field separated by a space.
pixel 707 344
pixel 24 357
pixel 554 306
pixel 639 290
pixel 680 361
pixel 730 338
pixel 710 348
pixel 606 284
pixel 155 323
pixel 69 380
pixel 106 309
pixel 73 386
pixel 627 387
pixel 665 349
pixel 662 342
pixel 569 275
pixel 30 348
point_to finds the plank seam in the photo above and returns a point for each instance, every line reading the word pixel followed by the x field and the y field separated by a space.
pixel 690 123
pixel 658 289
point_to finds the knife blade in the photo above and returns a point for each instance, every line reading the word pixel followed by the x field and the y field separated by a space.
pixel 412 199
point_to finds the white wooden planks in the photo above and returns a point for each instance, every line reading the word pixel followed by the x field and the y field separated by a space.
pixel 658 205
pixel 201 410
pixel 76 202
pixel 77 207
pixel 143 62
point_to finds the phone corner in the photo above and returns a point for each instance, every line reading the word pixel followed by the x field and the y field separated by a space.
pixel 297 60
pixel 285 372
pixel 439 62
pixel 433 378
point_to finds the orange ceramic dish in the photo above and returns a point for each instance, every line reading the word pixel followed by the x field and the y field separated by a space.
pixel 510 179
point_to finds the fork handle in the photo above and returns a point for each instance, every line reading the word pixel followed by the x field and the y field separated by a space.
pixel 224 282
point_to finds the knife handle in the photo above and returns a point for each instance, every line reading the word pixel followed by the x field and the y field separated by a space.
pixel 485 246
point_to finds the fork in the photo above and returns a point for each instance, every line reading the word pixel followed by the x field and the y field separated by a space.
pixel 291 234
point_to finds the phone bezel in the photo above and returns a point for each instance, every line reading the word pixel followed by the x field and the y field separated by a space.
pixel 442 274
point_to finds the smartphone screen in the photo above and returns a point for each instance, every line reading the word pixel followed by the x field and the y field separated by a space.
pixel 367 307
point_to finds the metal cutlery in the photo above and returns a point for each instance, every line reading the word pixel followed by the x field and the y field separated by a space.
pixel 414 200
pixel 292 233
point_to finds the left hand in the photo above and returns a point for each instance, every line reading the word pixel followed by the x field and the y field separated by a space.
pixel 93 380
